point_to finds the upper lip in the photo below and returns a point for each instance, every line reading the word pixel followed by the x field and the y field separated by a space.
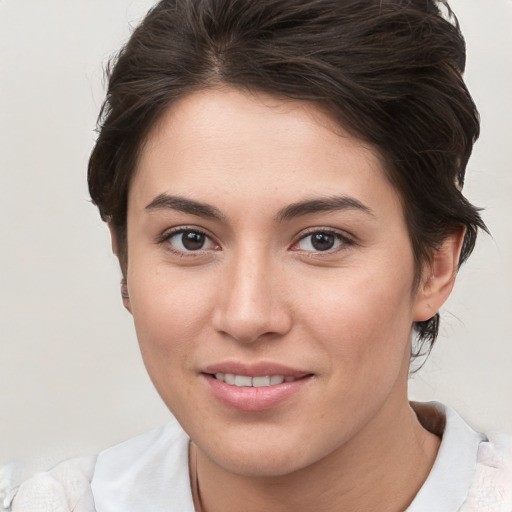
pixel 260 369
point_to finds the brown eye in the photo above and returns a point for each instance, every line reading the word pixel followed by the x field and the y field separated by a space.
pixel 322 241
pixel 192 240
pixel 189 240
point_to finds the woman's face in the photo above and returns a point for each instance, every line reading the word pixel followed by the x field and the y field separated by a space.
pixel 270 277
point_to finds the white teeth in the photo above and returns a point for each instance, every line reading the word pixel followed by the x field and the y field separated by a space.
pixel 243 381
pixel 257 382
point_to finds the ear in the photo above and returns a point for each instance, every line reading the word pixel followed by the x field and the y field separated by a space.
pixel 438 278
pixel 125 295
pixel 113 238
pixel 124 283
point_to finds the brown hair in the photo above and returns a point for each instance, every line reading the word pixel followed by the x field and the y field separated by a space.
pixel 390 71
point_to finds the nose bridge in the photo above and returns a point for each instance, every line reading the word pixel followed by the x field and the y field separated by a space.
pixel 251 303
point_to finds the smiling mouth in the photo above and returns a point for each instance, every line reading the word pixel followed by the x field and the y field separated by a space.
pixel 246 381
pixel 255 388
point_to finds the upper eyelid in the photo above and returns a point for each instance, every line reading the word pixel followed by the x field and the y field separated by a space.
pixel 345 239
pixel 167 235
pixel 170 232
pixel 311 231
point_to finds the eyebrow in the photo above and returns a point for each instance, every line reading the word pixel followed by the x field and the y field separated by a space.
pixel 307 207
pixel 181 204
pixel 328 204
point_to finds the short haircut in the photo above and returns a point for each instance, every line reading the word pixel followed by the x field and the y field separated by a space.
pixel 389 71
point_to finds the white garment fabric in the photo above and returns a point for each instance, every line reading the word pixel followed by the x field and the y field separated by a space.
pixel 471 473
pixel 66 488
pixel 150 473
pixel 147 473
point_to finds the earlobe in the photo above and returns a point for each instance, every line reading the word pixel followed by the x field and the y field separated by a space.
pixel 124 284
pixel 125 295
pixel 439 278
pixel 113 238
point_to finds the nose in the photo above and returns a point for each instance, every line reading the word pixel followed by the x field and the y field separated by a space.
pixel 251 301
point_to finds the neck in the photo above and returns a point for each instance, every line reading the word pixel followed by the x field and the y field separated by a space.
pixel 381 468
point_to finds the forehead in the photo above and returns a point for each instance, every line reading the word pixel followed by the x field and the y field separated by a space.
pixel 227 143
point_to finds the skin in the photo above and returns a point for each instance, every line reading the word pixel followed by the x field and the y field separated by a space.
pixel 259 291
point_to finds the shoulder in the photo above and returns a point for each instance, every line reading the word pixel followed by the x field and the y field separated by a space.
pixel 144 473
pixel 65 487
pixel 162 442
pixel 472 471
pixel 492 486
pixel 148 472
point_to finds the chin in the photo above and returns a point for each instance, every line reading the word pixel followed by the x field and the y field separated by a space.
pixel 264 455
pixel 262 465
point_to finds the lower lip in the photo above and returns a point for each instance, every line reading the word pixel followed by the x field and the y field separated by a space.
pixel 254 399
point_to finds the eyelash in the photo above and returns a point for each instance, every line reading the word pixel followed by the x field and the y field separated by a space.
pixel 343 241
pixel 166 239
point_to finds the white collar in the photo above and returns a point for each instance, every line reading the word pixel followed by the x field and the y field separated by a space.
pixel 150 472
pixel 450 479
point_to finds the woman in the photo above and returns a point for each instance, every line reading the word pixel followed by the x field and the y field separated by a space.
pixel 282 182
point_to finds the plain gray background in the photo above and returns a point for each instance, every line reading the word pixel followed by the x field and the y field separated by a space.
pixel 71 378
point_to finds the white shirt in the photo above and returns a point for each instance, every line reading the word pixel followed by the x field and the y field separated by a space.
pixel 150 473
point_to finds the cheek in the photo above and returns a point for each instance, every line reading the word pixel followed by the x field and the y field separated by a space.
pixel 170 315
pixel 362 319
pixel 170 310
